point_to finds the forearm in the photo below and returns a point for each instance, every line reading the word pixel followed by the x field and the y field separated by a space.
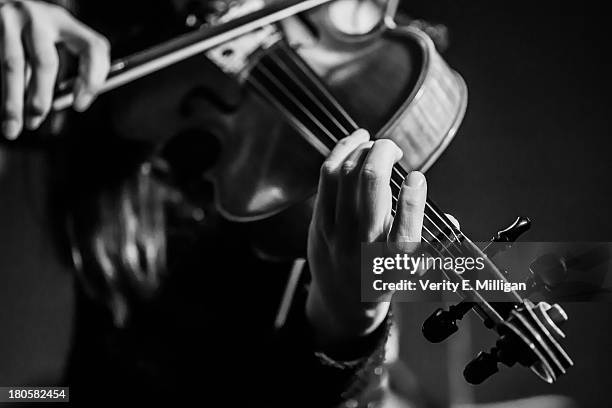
pixel 339 322
pixel 317 377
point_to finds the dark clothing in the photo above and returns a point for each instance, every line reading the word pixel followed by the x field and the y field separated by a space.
pixel 209 335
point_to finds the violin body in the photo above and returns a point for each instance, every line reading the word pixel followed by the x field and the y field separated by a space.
pixel 287 94
pixel 391 78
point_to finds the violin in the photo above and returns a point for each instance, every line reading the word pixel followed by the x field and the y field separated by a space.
pixel 309 76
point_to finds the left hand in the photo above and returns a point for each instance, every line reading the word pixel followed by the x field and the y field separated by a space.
pixel 353 206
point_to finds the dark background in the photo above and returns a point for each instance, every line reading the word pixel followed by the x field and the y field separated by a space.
pixel 535 141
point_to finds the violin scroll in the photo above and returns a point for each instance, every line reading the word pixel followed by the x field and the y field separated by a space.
pixel 528 333
pixel 530 337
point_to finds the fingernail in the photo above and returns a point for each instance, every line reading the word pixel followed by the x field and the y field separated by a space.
pixel 453 220
pixel 34 122
pixel 11 129
pixel 415 179
pixel 82 101
pixel 82 98
pixel 362 133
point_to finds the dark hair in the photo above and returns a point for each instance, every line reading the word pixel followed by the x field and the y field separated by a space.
pixel 112 210
pixel 118 242
pixel 112 202
pixel 113 196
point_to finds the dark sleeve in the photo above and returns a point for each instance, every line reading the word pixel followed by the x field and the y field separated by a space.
pixel 309 377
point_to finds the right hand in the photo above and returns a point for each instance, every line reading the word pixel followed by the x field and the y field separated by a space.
pixel 29 33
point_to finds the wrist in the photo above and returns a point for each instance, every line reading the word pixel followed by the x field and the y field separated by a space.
pixel 338 322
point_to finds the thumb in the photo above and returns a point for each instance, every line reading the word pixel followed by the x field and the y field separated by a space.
pixel 408 222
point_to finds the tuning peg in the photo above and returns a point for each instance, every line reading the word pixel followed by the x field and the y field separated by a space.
pixel 548 270
pixel 556 317
pixel 443 323
pixel 481 367
pixel 557 314
pixel 507 236
pixel 513 231
pixel 484 364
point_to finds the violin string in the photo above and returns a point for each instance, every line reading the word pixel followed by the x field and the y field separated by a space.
pixel 396 169
pixel 426 230
pixel 395 199
pixel 285 68
pixel 330 134
pixel 432 235
pixel 300 64
pixel 436 213
pixel 296 101
pixel 315 82
pixel 445 220
pixel 310 117
pixel 307 71
pixel 279 105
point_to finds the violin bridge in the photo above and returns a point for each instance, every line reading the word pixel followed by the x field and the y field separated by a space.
pixel 236 56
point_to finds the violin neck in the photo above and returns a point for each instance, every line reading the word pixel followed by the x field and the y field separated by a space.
pixel 289 84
